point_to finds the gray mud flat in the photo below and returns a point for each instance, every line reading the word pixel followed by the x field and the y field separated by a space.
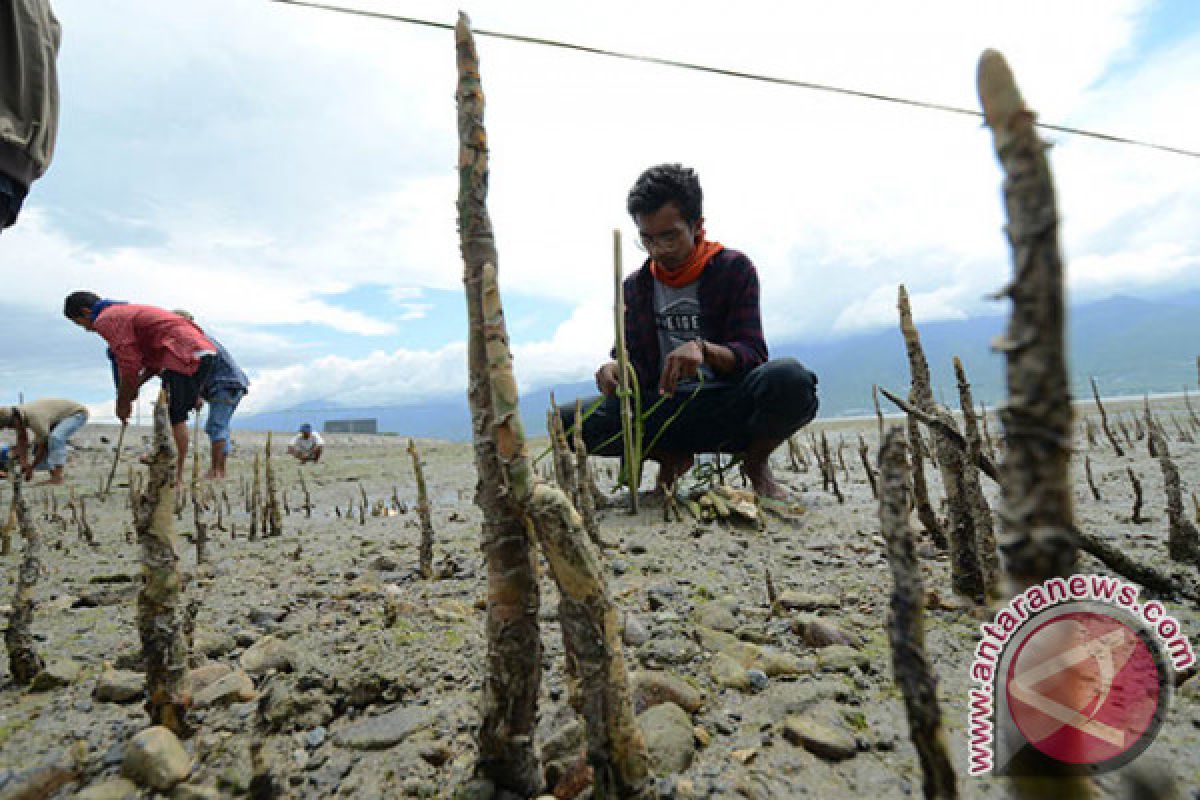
pixel 362 680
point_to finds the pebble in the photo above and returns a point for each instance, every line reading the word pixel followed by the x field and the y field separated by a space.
pixel 114 789
pixel 315 737
pixel 728 673
pixel 155 758
pixel 652 687
pixel 841 658
pixel 675 650
pixel 383 731
pixel 266 654
pixel 758 679
pixel 235 686
pixel 822 739
pixel 807 601
pixel 119 686
pixel 634 632
pixel 670 743
pixel 58 673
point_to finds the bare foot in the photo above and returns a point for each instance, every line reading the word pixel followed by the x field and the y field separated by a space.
pixel 763 480
pixel 671 466
pixel 214 475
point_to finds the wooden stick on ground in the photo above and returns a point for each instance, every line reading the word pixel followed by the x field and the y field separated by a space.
pixel 161 602
pixel 906 629
pixel 116 460
pixel 24 661
pixel 616 749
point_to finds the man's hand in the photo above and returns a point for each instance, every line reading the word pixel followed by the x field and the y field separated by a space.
pixel 682 363
pixel 124 409
pixel 606 378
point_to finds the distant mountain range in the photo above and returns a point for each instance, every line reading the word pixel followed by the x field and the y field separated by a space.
pixel 1129 345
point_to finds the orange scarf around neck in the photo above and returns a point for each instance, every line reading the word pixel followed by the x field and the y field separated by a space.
pixel 692 268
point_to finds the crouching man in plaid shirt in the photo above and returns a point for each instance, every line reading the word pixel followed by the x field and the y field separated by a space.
pixel 694 334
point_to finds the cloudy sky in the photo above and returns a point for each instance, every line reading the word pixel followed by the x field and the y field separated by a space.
pixel 288 174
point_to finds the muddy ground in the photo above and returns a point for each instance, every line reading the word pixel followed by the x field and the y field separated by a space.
pixel 351 699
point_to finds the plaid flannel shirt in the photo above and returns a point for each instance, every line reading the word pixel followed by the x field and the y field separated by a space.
pixel 729 315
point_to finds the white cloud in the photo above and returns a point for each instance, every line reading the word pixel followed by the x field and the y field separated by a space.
pixel 285 156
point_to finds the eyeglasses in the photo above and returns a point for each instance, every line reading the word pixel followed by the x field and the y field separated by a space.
pixel 667 240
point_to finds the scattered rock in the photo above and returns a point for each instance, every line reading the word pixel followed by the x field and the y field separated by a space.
pixel 675 650
pixel 266 654
pixel 114 789
pixel 562 750
pixel 315 737
pixel 634 632
pixel 115 596
pixel 822 739
pixel 651 688
pixel 787 699
pixel 384 731
pixel 758 679
pixel 807 601
pixel 119 686
pixel 58 673
pixel 155 758
pixel 840 658
pixel 818 633
pixel 201 678
pixel 701 735
pixel 267 616
pixel 236 686
pixel 729 674
pixel 385 563
pixel 670 742
pixel 213 645
pixel 192 791
pixel 718 615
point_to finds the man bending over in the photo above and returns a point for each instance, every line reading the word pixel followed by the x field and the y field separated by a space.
pixel 694 334
pixel 45 426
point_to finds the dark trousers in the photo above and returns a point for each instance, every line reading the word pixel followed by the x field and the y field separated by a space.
pixel 771 402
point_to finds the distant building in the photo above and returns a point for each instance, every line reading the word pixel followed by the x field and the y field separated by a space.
pixel 351 426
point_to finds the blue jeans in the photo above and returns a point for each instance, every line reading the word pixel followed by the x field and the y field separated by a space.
pixel 56 442
pixel 220 411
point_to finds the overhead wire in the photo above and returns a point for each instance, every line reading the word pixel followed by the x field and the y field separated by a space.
pixel 733 73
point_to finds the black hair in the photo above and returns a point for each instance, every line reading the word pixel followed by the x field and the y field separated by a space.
pixel 667 183
pixel 78 302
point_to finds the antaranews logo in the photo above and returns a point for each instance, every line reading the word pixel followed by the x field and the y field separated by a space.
pixel 1077 671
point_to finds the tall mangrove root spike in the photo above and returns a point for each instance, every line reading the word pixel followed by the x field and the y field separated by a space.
pixel 966 573
pixel 1036 539
pixel 199 523
pixel 1116 446
pixel 1183 540
pixel 906 629
pixel 161 609
pixel 423 513
pixel 24 662
pixel 989 561
pixel 1136 516
pixel 925 513
pixel 272 518
pixel 616 749
pixel 583 477
pixel 1087 467
pixel 512 671
pixel 866 462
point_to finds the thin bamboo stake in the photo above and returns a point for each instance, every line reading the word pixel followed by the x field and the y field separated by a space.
pixel 1036 536
pixel 423 513
pixel 161 601
pixel 906 629
pixel 24 661
pixel 633 459
pixel 116 460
